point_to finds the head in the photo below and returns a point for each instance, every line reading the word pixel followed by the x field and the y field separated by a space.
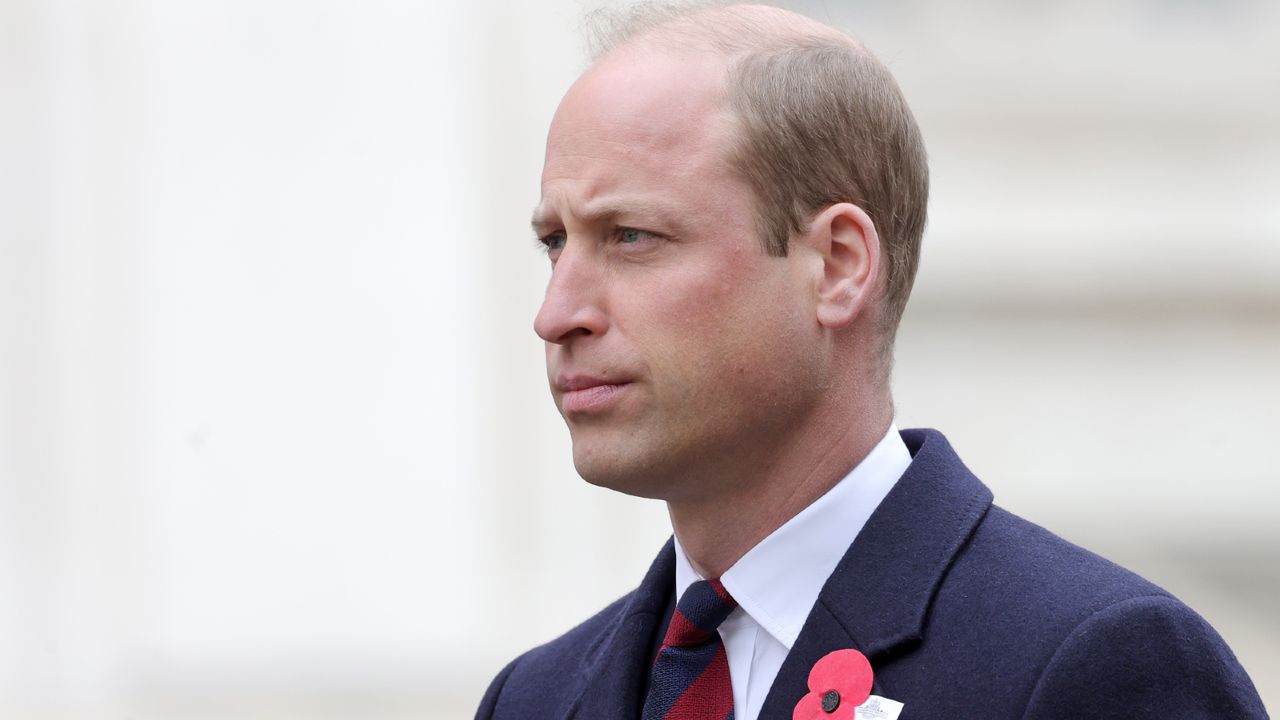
pixel 732 201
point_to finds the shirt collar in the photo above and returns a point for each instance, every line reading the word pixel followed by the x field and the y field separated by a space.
pixel 778 581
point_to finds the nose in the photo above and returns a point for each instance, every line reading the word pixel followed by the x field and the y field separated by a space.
pixel 573 306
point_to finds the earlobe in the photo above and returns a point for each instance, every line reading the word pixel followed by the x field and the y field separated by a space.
pixel 846 239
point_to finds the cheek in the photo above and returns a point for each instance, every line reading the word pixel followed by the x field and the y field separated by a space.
pixel 712 330
pixel 691 310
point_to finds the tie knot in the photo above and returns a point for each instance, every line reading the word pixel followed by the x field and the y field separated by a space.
pixel 699 612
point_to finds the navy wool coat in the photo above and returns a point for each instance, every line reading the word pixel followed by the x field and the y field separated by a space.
pixel 964 610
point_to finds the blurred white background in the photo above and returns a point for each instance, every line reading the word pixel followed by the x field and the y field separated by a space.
pixel 274 435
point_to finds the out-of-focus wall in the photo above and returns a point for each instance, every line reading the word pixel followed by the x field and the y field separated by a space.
pixel 274 436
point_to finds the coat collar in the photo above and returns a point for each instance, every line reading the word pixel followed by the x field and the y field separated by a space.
pixel 879 595
pixel 876 600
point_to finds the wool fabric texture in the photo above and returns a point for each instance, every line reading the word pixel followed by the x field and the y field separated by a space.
pixel 690 677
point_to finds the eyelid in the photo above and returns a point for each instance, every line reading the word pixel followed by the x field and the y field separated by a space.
pixel 555 239
pixel 544 241
pixel 619 231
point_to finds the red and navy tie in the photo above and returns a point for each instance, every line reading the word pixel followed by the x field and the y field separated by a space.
pixel 690 679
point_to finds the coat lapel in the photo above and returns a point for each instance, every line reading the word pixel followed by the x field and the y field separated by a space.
pixel 879 595
pixel 615 671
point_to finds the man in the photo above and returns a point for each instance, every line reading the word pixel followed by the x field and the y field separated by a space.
pixel 732 203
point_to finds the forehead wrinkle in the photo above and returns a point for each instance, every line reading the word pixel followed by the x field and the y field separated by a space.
pixel 604 146
pixel 608 208
pixel 630 177
pixel 609 160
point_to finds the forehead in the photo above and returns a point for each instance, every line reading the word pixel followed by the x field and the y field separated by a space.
pixel 640 119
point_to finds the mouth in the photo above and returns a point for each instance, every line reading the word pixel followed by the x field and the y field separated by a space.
pixel 585 395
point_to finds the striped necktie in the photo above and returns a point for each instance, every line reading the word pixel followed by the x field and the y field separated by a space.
pixel 690 679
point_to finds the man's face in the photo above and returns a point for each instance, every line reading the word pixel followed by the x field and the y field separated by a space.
pixel 678 352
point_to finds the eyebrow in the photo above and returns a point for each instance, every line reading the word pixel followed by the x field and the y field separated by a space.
pixel 541 219
pixel 606 211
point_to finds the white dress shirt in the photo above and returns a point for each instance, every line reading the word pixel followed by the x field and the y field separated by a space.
pixel 777 582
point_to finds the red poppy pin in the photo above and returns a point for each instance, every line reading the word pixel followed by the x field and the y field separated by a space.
pixel 838 683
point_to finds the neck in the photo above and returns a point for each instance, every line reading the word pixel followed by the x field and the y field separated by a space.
pixel 717 530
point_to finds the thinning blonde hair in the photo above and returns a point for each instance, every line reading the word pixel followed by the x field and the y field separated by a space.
pixel 821 121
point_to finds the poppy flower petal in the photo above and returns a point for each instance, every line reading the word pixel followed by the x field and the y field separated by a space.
pixel 810 708
pixel 845 671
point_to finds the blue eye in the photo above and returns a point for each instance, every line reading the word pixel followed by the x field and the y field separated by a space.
pixel 632 235
pixel 553 241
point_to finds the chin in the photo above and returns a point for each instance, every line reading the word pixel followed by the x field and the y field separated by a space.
pixel 615 472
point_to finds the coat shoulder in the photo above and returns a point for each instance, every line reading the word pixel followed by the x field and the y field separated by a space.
pixel 1055 627
pixel 1024 567
pixel 1028 590
pixel 1146 657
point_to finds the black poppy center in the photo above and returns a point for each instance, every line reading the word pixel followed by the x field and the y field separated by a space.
pixel 830 701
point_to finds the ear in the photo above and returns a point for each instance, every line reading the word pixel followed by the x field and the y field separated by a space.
pixel 846 241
